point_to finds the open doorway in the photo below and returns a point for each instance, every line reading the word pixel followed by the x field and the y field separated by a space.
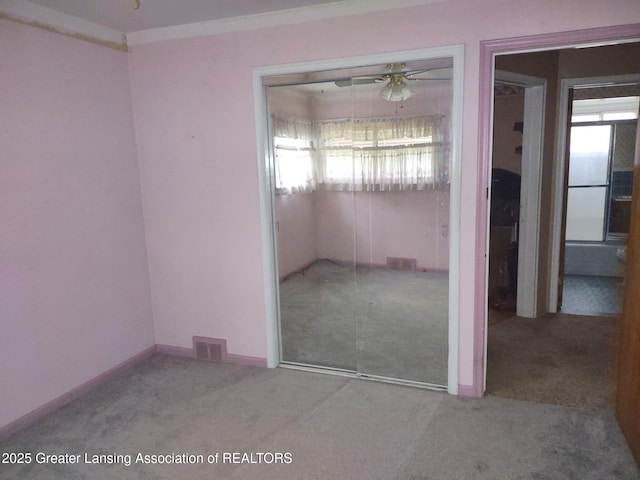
pixel 599 189
pixel 556 357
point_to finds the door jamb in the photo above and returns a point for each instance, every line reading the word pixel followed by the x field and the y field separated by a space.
pixel 530 189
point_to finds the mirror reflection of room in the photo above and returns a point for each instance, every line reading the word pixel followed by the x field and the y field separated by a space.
pixel 361 202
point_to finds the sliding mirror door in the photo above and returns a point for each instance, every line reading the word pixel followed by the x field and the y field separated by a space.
pixel 361 202
pixel 315 239
pixel 401 190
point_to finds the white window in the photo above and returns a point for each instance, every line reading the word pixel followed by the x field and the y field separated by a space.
pixel 597 109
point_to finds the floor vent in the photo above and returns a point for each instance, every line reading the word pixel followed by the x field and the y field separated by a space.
pixel 210 349
pixel 399 263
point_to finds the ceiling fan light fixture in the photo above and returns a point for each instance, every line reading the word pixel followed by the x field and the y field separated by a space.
pixel 396 90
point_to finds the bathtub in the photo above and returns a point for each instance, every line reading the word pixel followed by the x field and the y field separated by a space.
pixel 598 259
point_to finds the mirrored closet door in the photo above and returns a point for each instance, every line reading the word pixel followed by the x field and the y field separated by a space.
pixel 361 164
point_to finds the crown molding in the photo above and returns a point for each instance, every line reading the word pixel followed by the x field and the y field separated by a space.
pixel 29 13
pixel 271 19
pixel 38 16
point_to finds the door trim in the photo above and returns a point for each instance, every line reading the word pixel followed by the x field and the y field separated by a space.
pixel 530 189
pixel 266 190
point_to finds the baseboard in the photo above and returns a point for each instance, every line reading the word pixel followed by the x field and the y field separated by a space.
pixel 468 391
pixel 175 351
pixel 229 357
pixel 71 395
pixel 363 265
pixel 246 360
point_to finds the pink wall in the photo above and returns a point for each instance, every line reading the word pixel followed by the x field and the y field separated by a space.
pixel 296 237
pixel 322 224
pixel 194 114
pixel 74 285
pixel 390 224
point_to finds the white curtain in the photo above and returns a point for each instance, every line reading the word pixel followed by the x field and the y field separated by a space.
pixel 388 154
pixel 294 162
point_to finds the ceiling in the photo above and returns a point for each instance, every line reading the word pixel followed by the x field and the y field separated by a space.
pixel 123 23
pixel 121 15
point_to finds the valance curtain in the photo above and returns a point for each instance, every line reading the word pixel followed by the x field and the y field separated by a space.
pixel 388 154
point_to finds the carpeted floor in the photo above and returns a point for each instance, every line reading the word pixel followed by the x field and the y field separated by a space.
pixel 320 426
pixel 558 359
pixel 382 322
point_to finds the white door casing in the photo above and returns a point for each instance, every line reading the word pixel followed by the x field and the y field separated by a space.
pixel 456 52
pixel 530 189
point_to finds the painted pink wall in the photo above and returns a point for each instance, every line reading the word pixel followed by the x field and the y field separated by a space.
pixel 74 285
pixel 389 224
pixel 296 237
pixel 194 114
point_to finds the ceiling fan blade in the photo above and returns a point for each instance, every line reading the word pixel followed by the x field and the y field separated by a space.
pixel 444 73
pixel 347 82
pixel 434 79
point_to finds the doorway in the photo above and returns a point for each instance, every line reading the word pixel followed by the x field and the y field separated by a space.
pixel 362 201
pixel 532 359
pixel 601 143
pixel 589 247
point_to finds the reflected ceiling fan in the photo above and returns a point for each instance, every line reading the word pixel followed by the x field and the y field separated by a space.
pixel 396 78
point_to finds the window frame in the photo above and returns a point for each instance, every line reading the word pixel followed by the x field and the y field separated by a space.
pixel 607 209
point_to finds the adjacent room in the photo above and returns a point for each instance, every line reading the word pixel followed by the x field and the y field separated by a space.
pixel 251 240
pixel 596 90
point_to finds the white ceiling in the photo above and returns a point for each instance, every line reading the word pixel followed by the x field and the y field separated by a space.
pixel 118 23
pixel 121 15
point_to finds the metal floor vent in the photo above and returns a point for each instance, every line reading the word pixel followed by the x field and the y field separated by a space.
pixel 210 349
pixel 399 263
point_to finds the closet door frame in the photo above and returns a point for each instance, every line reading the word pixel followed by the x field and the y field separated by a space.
pixel 267 190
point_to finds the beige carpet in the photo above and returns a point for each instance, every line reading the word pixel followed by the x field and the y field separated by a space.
pixel 329 427
pixel 558 359
pixel 375 321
